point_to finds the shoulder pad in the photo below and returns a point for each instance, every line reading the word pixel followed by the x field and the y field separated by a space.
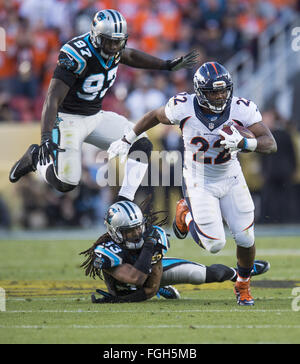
pixel 70 57
pixel 111 254
pixel 178 107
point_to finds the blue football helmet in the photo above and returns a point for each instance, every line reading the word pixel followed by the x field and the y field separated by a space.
pixel 213 87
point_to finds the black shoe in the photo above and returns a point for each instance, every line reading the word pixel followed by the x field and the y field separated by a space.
pixel 260 267
pixel 24 165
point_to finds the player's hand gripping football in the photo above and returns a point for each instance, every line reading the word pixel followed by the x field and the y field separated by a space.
pixel 47 149
pixel 187 61
pixel 231 141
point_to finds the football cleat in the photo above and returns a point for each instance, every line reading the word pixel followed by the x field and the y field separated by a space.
pixel 168 292
pixel 259 267
pixel 24 165
pixel 180 228
pixel 243 294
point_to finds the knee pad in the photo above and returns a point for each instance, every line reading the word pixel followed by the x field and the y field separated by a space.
pixel 245 238
pixel 56 183
pixel 213 246
pixel 142 145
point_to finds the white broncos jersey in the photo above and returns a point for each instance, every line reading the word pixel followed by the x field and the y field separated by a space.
pixel 204 155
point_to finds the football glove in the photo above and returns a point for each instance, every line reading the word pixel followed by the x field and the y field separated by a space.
pixel 107 297
pixel 47 149
pixel 231 141
pixel 118 148
pixel 151 235
pixel 187 61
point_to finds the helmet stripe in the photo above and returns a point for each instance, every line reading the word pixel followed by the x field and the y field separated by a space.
pixel 120 21
pixel 115 20
pixel 215 68
pixel 131 208
pixel 126 209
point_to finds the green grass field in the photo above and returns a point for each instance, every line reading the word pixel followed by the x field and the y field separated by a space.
pixel 48 299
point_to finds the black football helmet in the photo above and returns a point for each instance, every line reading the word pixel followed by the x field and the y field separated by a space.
pixel 213 87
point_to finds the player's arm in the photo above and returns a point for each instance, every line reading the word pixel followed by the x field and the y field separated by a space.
pixel 63 78
pixel 127 273
pixel 151 119
pixel 138 59
pixel 57 91
pixel 265 140
pixel 148 121
pixel 152 284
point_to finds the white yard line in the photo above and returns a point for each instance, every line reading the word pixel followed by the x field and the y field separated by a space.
pixel 149 326
pixel 143 311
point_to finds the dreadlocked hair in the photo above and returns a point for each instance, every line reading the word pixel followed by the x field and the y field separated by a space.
pixel 151 218
pixel 88 264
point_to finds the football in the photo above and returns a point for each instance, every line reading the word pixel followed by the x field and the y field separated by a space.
pixel 246 133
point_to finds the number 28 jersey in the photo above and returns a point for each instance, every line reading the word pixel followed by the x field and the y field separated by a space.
pixel 87 74
pixel 204 155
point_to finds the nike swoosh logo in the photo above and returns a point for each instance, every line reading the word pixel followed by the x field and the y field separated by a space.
pixel 12 175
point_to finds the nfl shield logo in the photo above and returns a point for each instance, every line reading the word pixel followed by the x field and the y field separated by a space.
pixel 211 126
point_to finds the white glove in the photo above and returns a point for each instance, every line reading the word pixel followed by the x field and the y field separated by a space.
pixel 232 141
pixel 121 147
pixel 118 148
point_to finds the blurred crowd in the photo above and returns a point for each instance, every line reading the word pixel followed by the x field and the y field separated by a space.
pixel 36 30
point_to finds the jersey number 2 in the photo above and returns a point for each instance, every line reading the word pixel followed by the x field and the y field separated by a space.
pixel 222 157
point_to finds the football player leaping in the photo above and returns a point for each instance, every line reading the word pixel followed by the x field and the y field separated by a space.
pixel 213 183
pixel 130 257
pixel 86 68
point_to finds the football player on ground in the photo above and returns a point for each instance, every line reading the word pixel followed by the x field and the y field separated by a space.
pixel 214 187
pixel 86 68
pixel 130 257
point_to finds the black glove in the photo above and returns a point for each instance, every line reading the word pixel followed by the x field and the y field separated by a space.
pixel 187 61
pixel 103 300
pixel 107 297
pixel 151 235
pixel 47 148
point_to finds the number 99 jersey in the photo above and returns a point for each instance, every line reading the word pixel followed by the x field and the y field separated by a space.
pixel 204 156
pixel 87 74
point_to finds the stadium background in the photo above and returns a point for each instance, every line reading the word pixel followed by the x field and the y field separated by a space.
pixel 254 39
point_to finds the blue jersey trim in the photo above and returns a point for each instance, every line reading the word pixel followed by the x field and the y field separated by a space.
pixel 97 55
pixel 82 62
pixel 115 260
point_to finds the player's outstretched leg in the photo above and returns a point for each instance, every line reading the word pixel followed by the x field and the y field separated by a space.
pixel 180 227
pixel 25 165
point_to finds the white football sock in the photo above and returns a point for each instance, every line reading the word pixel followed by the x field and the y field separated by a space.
pixel 133 176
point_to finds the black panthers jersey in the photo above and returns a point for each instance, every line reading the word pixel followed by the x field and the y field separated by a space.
pixel 111 254
pixel 87 74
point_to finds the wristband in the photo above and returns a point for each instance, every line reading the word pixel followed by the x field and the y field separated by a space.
pixel 130 137
pixel 250 144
